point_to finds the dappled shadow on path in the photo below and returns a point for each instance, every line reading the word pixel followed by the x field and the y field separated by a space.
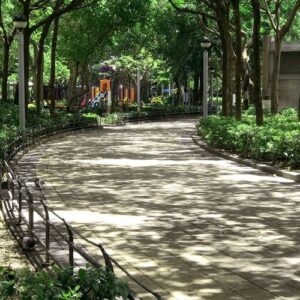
pixel 188 224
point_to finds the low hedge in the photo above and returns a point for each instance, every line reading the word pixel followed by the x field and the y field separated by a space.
pixel 277 142
pixel 149 112
pixel 61 284
pixel 40 125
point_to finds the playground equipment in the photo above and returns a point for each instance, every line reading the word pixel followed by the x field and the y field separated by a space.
pixel 102 95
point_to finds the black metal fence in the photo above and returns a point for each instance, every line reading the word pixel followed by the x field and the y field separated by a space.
pixel 135 117
pixel 31 136
pixel 36 226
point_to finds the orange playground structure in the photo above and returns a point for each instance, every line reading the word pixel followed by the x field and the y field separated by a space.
pixel 126 95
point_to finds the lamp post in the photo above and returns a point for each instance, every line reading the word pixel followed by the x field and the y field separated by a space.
pixel 211 71
pixel 205 45
pixel 20 23
pixel 139 90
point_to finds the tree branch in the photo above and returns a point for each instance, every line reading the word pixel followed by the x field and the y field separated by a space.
pixel 183 9
pixel 73 5
pixel 266 9
pixel 286 27
pixel 2 24
pixel 204 27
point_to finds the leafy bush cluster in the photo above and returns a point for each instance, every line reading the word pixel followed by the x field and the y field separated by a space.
pixel 158 100
pixel 149 111
pixel 157 107
pixel 277 142
pixel 160 106
pixel 9 123
pixel 160 110
pixel 61 284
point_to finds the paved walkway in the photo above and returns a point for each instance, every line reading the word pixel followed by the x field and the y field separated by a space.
pixel 188 224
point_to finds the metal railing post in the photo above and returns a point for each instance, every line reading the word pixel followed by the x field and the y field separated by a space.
pixel 47 233
pixel 70 242
pixel 108 263
pixel 20 203
pixel 30 213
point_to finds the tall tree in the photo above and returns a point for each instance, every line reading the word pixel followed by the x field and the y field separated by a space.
pixel 257 62
pixel 48 12
pixel 273 9
pixel 39 64
pixel 7 39
pixel 218 12
pixel 239 59
pixel 53 65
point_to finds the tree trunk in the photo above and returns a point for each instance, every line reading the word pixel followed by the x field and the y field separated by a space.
pixel 223 22
pixel 275 75
pixel 114 97
pixel 239 60
pixel 32 66
pixel 196 90
pixel 27 34
pixel 227 70
pixel 72 85
pixel 201 89
pixel 5 71
pixel 225 111
pixel 177 98
pixel 40 69
pixel 226 67
pixel 299 110
pixel 53 66
pixel 85 79
pixel 256 63
pixel 230 74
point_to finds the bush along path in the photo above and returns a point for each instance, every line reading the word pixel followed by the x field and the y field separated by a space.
pixel 37 125
pixel 276 143
pixel 61 283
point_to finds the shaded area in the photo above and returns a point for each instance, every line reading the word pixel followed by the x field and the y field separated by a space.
pixel 188 224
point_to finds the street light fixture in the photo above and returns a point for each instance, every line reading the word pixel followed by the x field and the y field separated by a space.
pixel 205 45
pixel 20 23
pixel 211 71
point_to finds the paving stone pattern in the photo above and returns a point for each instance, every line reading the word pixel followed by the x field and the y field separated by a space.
pixel 186 223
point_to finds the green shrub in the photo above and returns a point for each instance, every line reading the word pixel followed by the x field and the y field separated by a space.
pixel 158 100
pixel 9 119
pixel 61 284
pixel 278 141
pixel 114 118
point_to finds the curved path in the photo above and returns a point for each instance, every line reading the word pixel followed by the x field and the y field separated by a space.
pixel 187 224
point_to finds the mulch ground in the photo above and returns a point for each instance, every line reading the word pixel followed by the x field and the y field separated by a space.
pixel 10 253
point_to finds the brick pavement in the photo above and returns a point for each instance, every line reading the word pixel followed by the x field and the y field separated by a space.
pixel 186 223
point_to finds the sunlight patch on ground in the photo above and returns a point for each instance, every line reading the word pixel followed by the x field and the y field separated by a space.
pixel 292 261
pixel 253 178
pixel 197 259
pixel 125 162
pixel 87 217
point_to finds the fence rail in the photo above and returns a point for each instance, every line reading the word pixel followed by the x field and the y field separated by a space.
pixel 16 206
pixel 121 119
pixel 32 135
pixel 35 225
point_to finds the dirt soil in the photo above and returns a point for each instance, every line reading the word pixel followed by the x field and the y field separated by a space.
pixel 10 253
